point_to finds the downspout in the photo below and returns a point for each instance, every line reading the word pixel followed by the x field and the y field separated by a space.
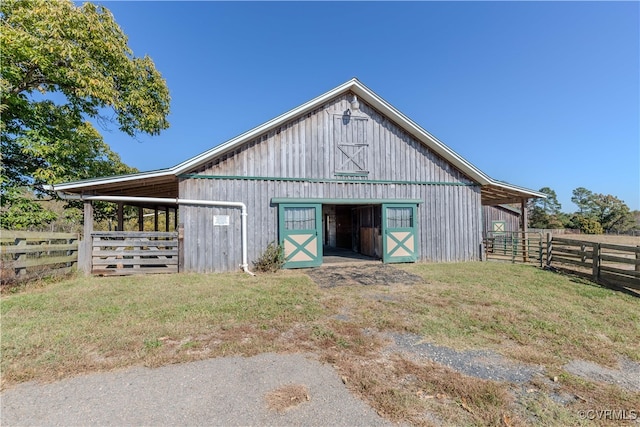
pixel 242 206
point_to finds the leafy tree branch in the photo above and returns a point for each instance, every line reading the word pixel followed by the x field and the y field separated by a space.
pixel 62 65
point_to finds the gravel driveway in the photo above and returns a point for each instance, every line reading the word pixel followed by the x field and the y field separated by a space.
pixel 483 364
pixel 224 391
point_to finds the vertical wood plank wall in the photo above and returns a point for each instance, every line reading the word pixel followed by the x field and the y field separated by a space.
pixel 450 220
pixel 496 213
pixel 449 229
pixel 304 148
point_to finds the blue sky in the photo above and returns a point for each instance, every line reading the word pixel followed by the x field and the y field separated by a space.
pixel 537 94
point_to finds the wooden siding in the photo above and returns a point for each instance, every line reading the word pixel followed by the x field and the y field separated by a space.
pixel 449 225
pixel 305 148
pixel 497 213
pixel 303 154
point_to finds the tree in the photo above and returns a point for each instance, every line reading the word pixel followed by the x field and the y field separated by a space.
pixel 586 224
pixel 583 199
pixel 612 213
pixel 545 213
pixel 598 213
pixel 62 65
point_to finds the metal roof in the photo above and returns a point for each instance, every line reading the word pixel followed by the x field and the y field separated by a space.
pixel 164 182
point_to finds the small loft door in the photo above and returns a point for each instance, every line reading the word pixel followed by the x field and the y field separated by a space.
pixel 400 237
pixel 300 234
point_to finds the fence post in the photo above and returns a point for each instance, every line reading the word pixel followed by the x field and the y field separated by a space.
pixel 87 248
pixel 549 249
pixel 70 252
pixel 638 259
pixel 540 251
pixel 596 262
pixel 180 248
pixel 20 258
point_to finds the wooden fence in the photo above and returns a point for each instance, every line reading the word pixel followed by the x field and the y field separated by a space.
pixel 27 255
pixel 514 246
pixel 134 252
pixel 605 263
pixel 554 231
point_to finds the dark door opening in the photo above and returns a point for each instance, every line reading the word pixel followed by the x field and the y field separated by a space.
pixel 354 229
pixel 344 228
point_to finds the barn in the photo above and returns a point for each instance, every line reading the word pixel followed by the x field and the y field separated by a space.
pixel 346 173
pixel 501 218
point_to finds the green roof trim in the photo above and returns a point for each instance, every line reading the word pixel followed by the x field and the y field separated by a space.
pixel 347 201
pixel 325 180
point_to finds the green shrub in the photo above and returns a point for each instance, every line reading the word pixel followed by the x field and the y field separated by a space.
pixel 271 260
pixel 589 225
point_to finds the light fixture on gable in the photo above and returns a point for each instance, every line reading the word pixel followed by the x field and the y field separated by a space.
pixel 355 105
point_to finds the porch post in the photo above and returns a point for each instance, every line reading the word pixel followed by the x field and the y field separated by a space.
pixel 525 222
pixel 180 248
pixel 175 218
pixel 155 218
pixel 120 216
pixel 140 218
pixel 166 218
pixel 84 261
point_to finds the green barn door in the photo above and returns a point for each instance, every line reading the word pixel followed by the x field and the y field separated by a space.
pixel 399 237
pixel 301 234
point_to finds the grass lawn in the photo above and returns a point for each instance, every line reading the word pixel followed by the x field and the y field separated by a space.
pixel 525 314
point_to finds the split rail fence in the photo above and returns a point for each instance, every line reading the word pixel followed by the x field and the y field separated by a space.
pixel 134 252
pixel 29 255
pixel 605 263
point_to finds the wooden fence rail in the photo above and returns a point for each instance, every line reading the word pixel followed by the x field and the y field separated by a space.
pixel 605 263
pixel 134 252
pixel 27 255
pixel 514 247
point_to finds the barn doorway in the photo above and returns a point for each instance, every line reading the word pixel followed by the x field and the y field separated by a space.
pixel 313 233
pixel 352 231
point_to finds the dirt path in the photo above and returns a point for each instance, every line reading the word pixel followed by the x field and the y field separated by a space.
pixel 361 274
pixel 627 376
pixel 483 364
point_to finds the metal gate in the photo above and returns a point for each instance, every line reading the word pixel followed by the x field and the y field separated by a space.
pixel 514 246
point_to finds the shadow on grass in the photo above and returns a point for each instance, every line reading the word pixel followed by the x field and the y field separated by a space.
pixel 586 279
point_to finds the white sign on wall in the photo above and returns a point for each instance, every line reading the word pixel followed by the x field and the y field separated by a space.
pixel 222 220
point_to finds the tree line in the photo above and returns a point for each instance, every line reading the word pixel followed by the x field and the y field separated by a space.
pixel 596 214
